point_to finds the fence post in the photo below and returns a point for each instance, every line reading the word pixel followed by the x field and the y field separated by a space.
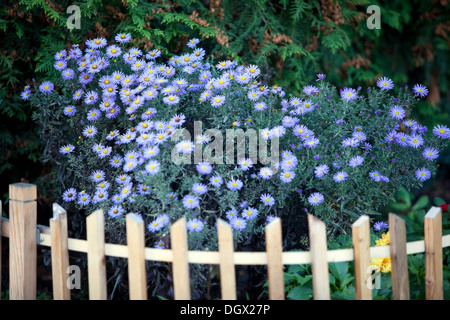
pixel 23 243
pixel 96 256
pixel 60 253
pixel 227 267
pixel 361 253
pixel 136 257
pixel 399 258
pixel 318 244
pixel 434 286
pixel 274 249
pixel 180 264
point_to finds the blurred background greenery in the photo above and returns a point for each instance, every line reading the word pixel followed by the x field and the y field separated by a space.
pixel 290 40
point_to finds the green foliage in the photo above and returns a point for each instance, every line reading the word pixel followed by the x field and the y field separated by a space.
pixel 413 211
pixel 293 40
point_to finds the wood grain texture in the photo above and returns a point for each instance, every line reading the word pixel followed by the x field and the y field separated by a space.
pixel 318 246
pixel 60 253
pixel 361 249
pixel 227 266
pixel 137 273
pixel 23 243
pixel 96 256
pixel 399 258
pixel 274 249
pixel 180 264
pixel 434 289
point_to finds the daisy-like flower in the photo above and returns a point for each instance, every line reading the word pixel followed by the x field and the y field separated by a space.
pixel 100 196
pixel 90 131
pixel 46 87
pixel 311 143
pixel 70 110
pixel 78 94
pixel 190 201
pixel 423 174
pixel 310 89
pixel 94 115
pixel 267 200
pixel 204 168
pixel 321 170
pixel 380 225
pixel 420 90
pixel 83 199
pixel 98 176
pixel 397 112
pixel 349 94
pixel 441 131
pixel 171 99
pixel 153 167
pixel 68 74
pixel 385 83
pixel 185 146
pixel 195 225
pixel 356 161
pixel 202 139
pixel 245 164
pixel 85 78
pixel 375 175
pixel 430 153
pixel 315 199
pixel 350 142
pixel 199 188
pixel 250 213
pixel 410 123
pixel 66 149
pixel 115 211
pixel 415 141
pixel 265 173
pixel 217 101
pixel 130 165
pixel 113 51
pixel 238 223
pixel 159 244
pixel 216 181
pixel 287 176
pixel 320 76
pixel 25 94
pixel 253 95
pixel 230 214
pixel 123 179
pixel 289 162
pixel 116 161
pixel 253 70
pixel 234 184
pixel 278 131
pixel 104 186
pixel 260 106
pixel 155 225
pixel 152 55
pixel 70 195
pixel 90 97
pixel 340 176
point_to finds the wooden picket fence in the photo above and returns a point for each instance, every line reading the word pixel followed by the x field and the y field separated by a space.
pixel 22 228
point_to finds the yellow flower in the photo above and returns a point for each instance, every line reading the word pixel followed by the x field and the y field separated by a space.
pixel 384 264
pixel 384 241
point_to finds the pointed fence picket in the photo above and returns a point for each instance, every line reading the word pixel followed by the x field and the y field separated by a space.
pixel 24 237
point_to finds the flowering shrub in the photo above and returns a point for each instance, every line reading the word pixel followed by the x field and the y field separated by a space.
pixel 121 109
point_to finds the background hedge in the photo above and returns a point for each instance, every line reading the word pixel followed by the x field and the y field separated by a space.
pixel 290 40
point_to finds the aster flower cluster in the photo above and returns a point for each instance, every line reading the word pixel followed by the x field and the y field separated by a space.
pixel 341 152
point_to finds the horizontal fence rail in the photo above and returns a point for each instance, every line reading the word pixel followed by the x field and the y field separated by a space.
pixel 21 228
